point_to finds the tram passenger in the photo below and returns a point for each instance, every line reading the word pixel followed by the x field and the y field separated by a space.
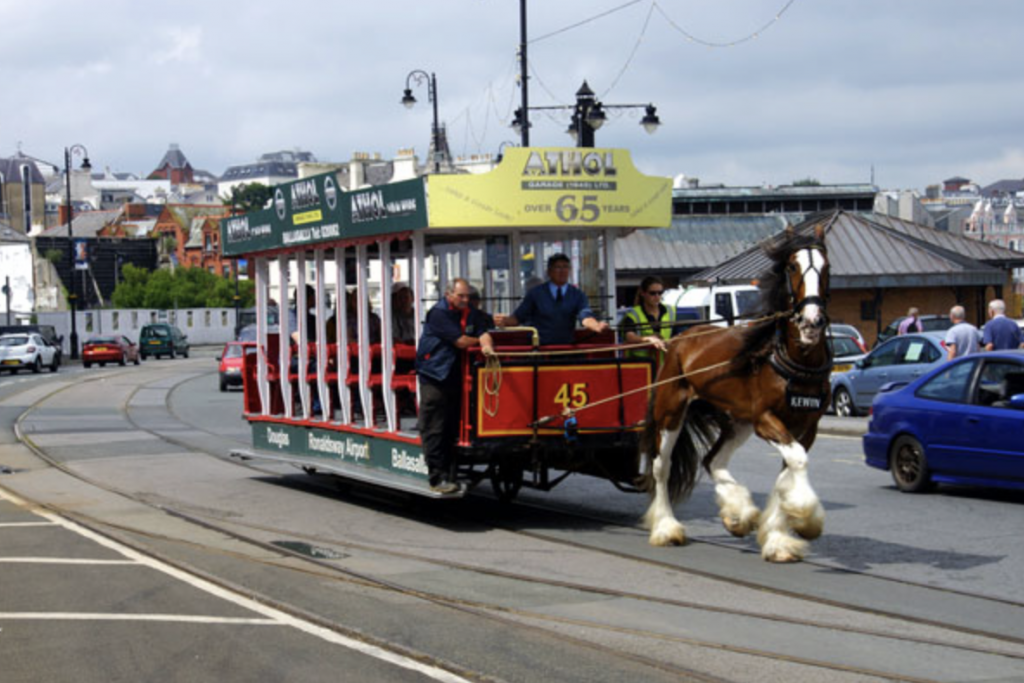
pixel 474 303
pixel 403 315
pixel 352 322
pixel 554 307
pixel 450 328
pixel 649 320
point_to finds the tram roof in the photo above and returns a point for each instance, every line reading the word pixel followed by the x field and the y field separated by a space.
pixel 551 188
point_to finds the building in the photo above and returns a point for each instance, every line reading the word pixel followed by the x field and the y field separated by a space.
pixel 270 169
pixel 174 167
pixel 22 194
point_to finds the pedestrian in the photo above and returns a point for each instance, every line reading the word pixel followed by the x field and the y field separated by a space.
pixel 649 320
pixel 913 320
pixel 554 307
pixel 962 338
pixel 1000 333
pixel 451 327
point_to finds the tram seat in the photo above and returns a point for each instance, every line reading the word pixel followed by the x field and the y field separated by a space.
pixel 403 376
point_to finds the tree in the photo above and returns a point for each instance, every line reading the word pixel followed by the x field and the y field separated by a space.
pixel 250 197
pixel 806 182
pixel 184 288
pixel 131 291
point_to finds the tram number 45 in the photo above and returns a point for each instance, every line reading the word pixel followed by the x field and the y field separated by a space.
pixel 572 396
pixel 568 208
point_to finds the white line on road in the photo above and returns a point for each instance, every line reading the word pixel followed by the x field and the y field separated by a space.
pixel 168 618
pixel 62 560
pixel 4 525
pixel 278 616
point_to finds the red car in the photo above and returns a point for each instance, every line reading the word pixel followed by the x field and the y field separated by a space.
pixel 113 349
pixel 232 358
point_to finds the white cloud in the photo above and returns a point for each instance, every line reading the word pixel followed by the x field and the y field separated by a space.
pixel 183 45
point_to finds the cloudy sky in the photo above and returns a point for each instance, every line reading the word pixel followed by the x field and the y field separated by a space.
pixel 918 90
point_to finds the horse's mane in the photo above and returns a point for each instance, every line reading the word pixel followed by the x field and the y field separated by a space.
pixel 775 296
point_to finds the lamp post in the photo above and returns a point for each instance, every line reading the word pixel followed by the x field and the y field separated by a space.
pixel 408 100
pixel 588 114
pixel 72 296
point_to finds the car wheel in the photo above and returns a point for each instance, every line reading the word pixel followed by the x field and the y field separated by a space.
pixel 142 355
pixel 843 403
pixel 55 363
pixel 909 465
pixel 86 364
pixel 103 363
pixel 122 361
pixel 37 366
pixel 184 354
pixel 137 359
pixel 171 354
pixel 223 384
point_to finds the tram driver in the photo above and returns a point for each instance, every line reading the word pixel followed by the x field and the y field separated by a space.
pixel 554 307
pixel 451 327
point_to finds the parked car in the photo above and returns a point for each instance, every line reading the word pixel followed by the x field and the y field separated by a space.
pixel 47 332
pixel 841 330
pixel 111 349
pixel 846 351
pixel 901 359
pixel 930 323
pixel 232 361
pixel 27 350
pixel 960 423
pixel 161 339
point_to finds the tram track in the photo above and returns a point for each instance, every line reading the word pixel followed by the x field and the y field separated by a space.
pixel 247 532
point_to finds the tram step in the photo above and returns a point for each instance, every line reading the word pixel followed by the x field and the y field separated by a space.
pixel 365 475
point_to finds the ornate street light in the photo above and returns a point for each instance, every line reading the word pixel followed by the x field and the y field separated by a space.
pixel 81 151
pixel 588 114
pixel 408 100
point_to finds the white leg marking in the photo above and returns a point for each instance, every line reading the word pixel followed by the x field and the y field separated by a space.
pixel 735 506
pixel 665 528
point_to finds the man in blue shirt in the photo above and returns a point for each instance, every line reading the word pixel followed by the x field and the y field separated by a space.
pixel 451 327
pixel 1000 333
pixel 554 307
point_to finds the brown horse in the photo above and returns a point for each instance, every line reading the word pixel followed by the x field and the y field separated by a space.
pixel 770 378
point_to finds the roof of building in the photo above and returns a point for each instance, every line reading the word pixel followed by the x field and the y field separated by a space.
pixel 693 243
pixel 1003 187
pixel 85 224
pixel 9 235
pixel 174 158
pixel 261 169
pixel 10 169
pixel 184 213
pixel 881 251
pixel 723 193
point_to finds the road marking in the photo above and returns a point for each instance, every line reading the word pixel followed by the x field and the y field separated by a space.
pixel 270 613
pixel 168 618
pixel 4 525
pixel 61 560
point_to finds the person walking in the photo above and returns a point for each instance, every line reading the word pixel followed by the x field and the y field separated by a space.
pixel 1000 333
pixel 648 321
pixel 451 327
pixel 962 338
pixel 912 321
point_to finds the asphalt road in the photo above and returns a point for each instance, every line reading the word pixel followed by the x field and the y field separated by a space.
pixel 76 607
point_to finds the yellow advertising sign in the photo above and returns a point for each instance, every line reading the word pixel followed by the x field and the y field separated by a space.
pixel 552 186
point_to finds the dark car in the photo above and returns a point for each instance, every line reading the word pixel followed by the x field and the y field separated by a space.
pixel 930 323
pixel 232 363
pixel 901 359
pixel 110 349
pixel 161 339
pixel 960 423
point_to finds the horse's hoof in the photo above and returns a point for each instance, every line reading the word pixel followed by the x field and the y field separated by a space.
pixel 741 525
pixel 667 533
pixel 809 528
pixel 780 548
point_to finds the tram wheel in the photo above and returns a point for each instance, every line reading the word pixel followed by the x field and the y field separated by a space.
pixel 506 480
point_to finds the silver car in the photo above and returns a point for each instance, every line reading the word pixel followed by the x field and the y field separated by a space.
pixel 28 350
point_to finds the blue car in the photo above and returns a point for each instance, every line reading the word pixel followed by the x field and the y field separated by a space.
pixel 900 359
pixel 961 423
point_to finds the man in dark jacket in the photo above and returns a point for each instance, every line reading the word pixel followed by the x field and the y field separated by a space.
pixel 451 327
pixel 554 307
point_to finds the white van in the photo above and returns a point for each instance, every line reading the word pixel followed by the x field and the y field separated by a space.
pixel 717 304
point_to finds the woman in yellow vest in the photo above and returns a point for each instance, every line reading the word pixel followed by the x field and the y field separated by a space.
pixel 648 321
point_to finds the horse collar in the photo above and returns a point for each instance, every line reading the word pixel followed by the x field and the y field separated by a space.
pixel 792 370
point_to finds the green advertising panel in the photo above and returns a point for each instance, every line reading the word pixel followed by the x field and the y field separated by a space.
pixel 314 211
pixel 396 457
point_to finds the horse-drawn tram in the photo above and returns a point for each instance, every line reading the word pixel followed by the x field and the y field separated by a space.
pixel 333 388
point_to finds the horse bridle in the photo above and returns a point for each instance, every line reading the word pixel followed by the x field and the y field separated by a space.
pixel 780 359
pixel 822 301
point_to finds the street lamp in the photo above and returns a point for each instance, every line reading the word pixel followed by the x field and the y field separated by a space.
pixel 81 151
pixel 588 114
pixel 408 100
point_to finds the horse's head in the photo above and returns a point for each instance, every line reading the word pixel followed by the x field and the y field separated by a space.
pixel 807 275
